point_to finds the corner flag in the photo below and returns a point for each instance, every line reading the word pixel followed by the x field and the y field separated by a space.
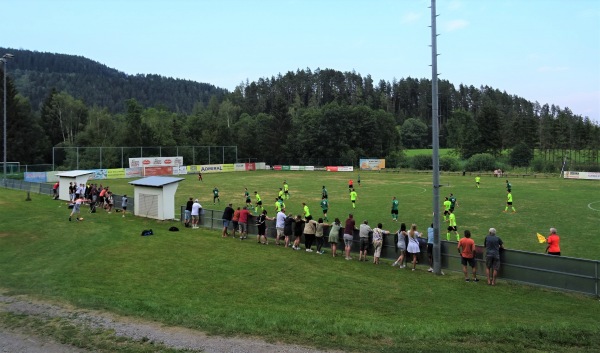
pixel 541 238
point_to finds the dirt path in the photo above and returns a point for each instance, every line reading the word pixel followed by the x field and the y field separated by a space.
pixel 173 337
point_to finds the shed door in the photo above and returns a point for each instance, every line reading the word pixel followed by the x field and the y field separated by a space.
pixel 148 205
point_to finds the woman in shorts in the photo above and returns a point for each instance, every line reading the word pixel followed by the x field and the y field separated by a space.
pixel 334 235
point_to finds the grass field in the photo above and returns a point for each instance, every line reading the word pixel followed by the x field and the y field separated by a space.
pixel 196 279
pixel 571 206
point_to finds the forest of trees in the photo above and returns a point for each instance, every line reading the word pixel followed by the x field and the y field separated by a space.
pixel 303 117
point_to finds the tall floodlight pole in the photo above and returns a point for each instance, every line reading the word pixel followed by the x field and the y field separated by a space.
pixel 4 60
pixel 437 265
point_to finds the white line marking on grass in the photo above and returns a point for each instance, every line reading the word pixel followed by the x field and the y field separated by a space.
pixel 590 206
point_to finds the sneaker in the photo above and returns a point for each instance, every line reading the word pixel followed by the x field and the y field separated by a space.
pixel 395 263
pixel 430 270
pixel 348 258
pixel 402 266
pixel 467 280
pixel 69 219
pixel 309 250
pixel 413 269
pixel 475 280
pixel 320 252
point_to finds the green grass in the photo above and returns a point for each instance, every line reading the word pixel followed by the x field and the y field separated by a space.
pixel 196 279
pixel 571 206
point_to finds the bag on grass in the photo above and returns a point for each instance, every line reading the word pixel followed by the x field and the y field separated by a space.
pixel 147 232
pixel 174 229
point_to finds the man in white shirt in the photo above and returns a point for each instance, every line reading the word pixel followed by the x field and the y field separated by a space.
pixel 279 224
pixel 196 207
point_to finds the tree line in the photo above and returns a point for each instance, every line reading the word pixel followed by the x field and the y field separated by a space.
pixel 302 117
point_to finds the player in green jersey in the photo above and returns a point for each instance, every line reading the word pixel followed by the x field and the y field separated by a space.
pixel 508 186
pixel 325 208
pixel 247 197
pixel 452 226
pixel 216 195
pixel 286 189
pixel 324 194
pixel 477 180
pixel 395 209
pixel 258 207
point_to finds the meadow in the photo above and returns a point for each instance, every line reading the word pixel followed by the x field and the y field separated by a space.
pixel 196 279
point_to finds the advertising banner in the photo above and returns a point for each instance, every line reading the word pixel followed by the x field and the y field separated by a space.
pixel 582 175
pixel 250 166
pixel 372 164
pixel 155 161
pixel 99 174
pixel 133 172
pixel 276 167
pixel 36 177
pixel 118 173
pixel 211 168
pixel 339 169
pixel 154 171
pixel 228 167
pixel 239 167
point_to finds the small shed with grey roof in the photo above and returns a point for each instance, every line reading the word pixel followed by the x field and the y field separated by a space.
pixel 76 177
pixel 155 197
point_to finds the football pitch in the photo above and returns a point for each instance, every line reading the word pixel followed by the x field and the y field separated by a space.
pixel 571 206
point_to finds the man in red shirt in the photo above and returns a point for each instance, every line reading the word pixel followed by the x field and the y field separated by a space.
pixel 466 249
pixel 243 222
pixel 553 241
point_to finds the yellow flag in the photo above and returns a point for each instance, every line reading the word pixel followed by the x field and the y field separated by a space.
pixel 541 238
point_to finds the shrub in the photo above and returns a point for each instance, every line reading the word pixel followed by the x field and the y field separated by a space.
pixel 481 161
pixel 543 166
pixel 421 162
pixel 397 159
pixel 449 164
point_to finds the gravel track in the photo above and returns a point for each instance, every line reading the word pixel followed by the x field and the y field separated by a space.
pixel 173 337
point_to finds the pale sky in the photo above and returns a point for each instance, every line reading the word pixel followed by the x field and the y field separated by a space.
pixel 542 50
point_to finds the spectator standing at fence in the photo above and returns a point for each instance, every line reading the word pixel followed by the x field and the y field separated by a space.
pixel 413 244
pixel 378 234
pixel 401 244
pixel 430 247
pixel 363 234
pixel 310 231
pixel 288 229
pixel 71 192
pixel 235 220
pixel 243 223
pixel 109 201
pixel 349 228
pixel 188 212
pixel 466 249
pixel 55 190
pixel 261 225
pixel 124 201
pixel 319 236
pixel 280 226
pixel 492 244
pixel 553 241
pixel 334 235
pixel 227 218
pixel 298 229
pixel 195 214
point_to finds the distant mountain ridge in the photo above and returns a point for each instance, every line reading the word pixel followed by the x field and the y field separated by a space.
pixel 35 74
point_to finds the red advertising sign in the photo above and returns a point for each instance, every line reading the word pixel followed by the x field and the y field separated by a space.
pixel 250 166
pixel 276 167
pixel 154 171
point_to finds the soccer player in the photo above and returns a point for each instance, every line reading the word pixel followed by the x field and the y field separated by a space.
pixel 447 205
pixel 508 186
pixel 358 180
pixel 452 226
pixel 509 202
pixel 350 185
pixel 353 196
pixel 286 189
pixel 216 195
pixel 453 202
pixel 247 197
pixel 466 249
pixel 258 202
pixel 324 194
pixel 200 177
pixel 277 205
pixel 280 193
pixel 394 209
pixel 306 212
pixel 477 180
pixel 325 207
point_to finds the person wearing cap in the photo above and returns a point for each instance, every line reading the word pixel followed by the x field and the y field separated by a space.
pixel 195 213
